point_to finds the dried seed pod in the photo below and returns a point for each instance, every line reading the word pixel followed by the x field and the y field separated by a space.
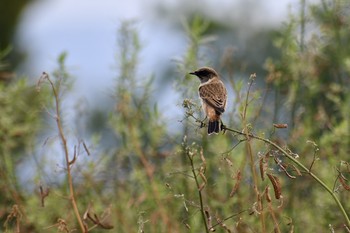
pixel 343 182
pixel 209 220
pixel 280 126
pixel 296 170
pixel 187 225
pixel 222 224
pixel 229 162
pixel 267 194
pixel 276 185
pixel 238 181
pixel 262 167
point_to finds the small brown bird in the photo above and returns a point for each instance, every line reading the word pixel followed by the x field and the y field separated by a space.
pixel 213 94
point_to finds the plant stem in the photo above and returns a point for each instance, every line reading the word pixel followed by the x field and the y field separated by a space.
pixel 199 194
pixel 250 153
pixel 307 170
pixel 66 153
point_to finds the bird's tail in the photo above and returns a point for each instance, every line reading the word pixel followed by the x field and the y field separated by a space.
pixel 213 127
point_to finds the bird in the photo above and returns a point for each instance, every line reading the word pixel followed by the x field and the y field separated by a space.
pixel 213 94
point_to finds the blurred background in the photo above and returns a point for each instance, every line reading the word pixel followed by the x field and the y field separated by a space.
pixel 127 101
pixel 88 32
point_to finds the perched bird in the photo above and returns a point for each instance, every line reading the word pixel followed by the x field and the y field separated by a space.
pixel 213 94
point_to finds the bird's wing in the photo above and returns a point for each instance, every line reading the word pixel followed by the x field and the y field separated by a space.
pixel 214 94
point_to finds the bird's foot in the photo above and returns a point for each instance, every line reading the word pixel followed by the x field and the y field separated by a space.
pixel 223 128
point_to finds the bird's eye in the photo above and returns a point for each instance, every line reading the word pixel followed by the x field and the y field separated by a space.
pixel 203 73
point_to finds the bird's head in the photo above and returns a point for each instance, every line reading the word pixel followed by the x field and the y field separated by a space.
pixel 205 73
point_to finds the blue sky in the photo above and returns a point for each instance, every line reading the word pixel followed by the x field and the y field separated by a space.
pixel 87 30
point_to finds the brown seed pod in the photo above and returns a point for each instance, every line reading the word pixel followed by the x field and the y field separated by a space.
pixel 238 181
pixel 276 185
pixel 280 126
pixel 267 194
pixel 343 183
pixel 262 167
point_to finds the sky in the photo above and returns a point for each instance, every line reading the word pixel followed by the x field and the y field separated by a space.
pixel 87 30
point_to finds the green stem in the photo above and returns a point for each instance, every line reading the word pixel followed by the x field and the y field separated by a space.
pixel 307 170
pixel 250 153
pixel 199 194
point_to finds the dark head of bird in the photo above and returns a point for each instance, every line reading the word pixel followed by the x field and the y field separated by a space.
pixel 205 73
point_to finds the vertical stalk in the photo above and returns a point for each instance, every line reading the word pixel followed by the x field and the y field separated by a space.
pixel 199 194
pixel 250 153
pixel 199 189
pixel 66 153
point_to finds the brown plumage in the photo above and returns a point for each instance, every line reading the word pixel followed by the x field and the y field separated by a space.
pixel 213 94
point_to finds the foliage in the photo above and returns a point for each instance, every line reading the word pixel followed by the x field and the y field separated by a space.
pixel 20 122
pixel 312 79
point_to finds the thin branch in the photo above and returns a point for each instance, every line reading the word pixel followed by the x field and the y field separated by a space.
pixel 65 149
pixel 252 78
pixel 199 193
pixel 289 155
pixel 43 195
pixel 229 217
pixel 300 165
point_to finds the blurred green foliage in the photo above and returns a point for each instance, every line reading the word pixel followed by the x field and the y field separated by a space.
pixel 21 120
pixel 147 179
pixel 312 79
pixel 10 12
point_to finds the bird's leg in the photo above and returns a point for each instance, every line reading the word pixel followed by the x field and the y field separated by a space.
pixel 202 122
pixel 222 126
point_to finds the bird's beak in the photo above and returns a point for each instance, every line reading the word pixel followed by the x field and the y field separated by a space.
pixel 192 73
